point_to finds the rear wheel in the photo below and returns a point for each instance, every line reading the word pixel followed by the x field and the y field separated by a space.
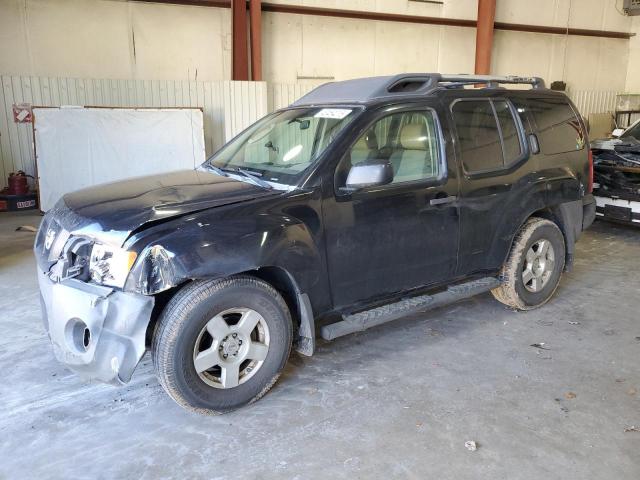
pixel 533 269
pixel 221 344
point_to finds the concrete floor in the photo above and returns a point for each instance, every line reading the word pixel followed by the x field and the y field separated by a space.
pixel 398 401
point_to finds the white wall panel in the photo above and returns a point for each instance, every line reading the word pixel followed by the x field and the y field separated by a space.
pixel 114 39
pixel 82 147
pixel 593 101
pixel 633 72
pixel 244 103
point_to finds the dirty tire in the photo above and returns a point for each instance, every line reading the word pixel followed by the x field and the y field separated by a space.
pixel 186 315
pixel 512 292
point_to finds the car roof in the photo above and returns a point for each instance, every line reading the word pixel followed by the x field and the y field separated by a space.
pixel 405 86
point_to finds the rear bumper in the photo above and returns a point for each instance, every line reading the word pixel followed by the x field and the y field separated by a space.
pixel 96 331
pixel 623 210
pixel 588 211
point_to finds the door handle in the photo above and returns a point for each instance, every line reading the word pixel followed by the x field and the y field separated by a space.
pixel 443 200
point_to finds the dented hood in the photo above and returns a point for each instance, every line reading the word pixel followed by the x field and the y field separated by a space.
pixel 110 212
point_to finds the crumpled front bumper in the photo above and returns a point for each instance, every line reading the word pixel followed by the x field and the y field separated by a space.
pixel 96 331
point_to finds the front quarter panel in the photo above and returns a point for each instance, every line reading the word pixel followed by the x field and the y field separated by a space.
pixel 216 243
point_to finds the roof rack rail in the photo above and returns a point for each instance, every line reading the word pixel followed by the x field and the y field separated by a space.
pixel 362 90
pixel 535 82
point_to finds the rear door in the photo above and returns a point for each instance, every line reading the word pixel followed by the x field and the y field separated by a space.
pixel 493 152
pixel 388 239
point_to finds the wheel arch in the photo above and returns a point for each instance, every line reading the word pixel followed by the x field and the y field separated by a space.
pixel 280 279
pixel 568 217
pixel 298 303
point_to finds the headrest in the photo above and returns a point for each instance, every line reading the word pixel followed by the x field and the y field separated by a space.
pixel 367 142
pixel 413 136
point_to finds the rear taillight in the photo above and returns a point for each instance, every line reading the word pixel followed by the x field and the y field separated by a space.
pixel 590 184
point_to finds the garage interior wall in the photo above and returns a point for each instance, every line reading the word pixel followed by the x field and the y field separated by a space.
pixel 633 72
pixel 132 40
pixel 123 53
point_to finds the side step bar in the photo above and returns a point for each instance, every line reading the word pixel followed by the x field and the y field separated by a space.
pixel 377 316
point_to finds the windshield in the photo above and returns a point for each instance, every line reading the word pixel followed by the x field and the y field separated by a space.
pixel 633 131
pixel 282 145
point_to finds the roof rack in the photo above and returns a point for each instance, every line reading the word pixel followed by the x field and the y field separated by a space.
pixel 362 90
pixel 491 80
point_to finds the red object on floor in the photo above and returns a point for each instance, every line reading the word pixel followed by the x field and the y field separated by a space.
pixel 18 184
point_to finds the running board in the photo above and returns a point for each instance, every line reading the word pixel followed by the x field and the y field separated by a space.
pixel 377 316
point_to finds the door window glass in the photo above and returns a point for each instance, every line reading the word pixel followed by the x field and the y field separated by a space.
pixel 478 135
pixel 409 141
pixel 510 136
pixel 488 134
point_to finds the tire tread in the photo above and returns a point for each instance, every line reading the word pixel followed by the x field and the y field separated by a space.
pixel 507 293
pixel 176 312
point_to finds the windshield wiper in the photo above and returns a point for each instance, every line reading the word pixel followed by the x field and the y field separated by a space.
pixel 217 170
pixel 251 176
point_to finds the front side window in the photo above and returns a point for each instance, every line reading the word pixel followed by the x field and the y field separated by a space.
pixel 281 146
pixel 409 141
pixel 487 133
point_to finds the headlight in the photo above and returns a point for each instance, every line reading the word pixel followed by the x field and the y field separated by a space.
pixel 110 265
pixel 153 272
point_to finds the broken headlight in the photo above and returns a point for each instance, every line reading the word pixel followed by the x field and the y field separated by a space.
pixel 153 272
pixel 110 265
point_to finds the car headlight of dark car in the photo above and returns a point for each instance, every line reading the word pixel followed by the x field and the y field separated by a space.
pixel 110 265
pixel 153 272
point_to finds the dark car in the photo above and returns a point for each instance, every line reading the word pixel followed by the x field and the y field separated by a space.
pixel 363 201
pixel 617 176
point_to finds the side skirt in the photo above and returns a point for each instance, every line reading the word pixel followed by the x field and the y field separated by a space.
pixel 370 318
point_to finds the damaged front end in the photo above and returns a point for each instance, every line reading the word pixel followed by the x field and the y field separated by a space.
pixel 617 182
pixel 96 327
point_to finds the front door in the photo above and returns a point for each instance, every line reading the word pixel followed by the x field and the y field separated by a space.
pixel 387 239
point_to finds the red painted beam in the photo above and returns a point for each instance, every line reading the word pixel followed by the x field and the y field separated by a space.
pixel 255 22
pixel 484 36
pixel 239 46
pixel 392 17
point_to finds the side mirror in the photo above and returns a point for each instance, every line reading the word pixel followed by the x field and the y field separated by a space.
pixel 617 133
pixel 368 175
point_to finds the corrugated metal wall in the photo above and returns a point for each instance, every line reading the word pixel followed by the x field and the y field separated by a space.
pixel 592 101
pixel 228 107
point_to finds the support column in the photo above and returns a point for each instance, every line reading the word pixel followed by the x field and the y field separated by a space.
pixel 484 36
pixel 255 20
pixel 239 47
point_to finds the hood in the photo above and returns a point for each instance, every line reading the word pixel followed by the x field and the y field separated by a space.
pixel 110 212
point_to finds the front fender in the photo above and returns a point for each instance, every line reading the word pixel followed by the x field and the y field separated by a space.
pixel 214 246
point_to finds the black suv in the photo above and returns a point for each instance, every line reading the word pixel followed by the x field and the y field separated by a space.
pixel 363 201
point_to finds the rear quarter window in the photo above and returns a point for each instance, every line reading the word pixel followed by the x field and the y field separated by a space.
pixel 559 130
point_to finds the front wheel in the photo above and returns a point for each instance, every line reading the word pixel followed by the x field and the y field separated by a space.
pixel 221 344
pixel 533 269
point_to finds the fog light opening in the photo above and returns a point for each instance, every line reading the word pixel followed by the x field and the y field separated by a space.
pixel 78 335
pixel 86 338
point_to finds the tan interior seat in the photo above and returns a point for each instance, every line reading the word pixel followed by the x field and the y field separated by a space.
pixel 366 148
pixel 413 160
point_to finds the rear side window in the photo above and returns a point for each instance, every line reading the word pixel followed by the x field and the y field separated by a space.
pixel 559 130
pixel 488 134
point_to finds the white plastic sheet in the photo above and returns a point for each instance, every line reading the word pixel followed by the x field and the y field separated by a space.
pixel 80 147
